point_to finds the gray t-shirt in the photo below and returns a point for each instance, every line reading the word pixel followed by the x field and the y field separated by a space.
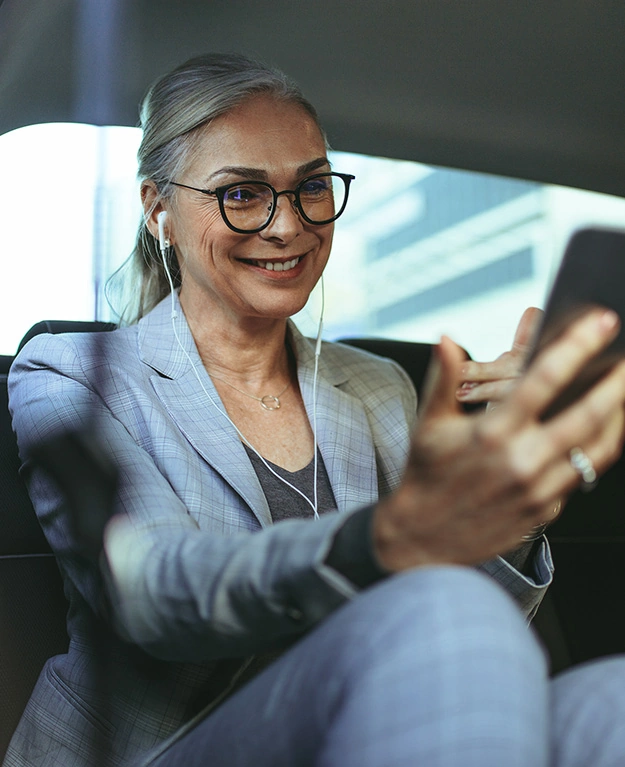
pixel 286 503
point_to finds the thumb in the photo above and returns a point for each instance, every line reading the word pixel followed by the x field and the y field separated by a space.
pixel 442 380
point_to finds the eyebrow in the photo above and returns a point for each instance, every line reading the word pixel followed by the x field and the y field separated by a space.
pixel 258 174
pixel 309 167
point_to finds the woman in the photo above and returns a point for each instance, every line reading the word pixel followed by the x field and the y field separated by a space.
pixel 379 644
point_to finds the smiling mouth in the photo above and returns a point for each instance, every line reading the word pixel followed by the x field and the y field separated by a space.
pixel 277 266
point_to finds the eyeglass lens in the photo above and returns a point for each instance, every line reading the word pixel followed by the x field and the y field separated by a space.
pixel 249 205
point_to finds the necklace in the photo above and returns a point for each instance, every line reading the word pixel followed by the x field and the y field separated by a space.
pixel 268 402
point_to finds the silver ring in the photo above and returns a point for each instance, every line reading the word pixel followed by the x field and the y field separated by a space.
pixel 583 466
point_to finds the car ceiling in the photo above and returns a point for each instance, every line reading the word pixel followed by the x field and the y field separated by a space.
pixel 529 89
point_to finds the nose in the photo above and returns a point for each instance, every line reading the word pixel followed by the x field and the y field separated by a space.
pixel 286 222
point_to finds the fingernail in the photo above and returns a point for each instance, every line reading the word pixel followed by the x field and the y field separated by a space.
pixel 465 390
pixel 609 319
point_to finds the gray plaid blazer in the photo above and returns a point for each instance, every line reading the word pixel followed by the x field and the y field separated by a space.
pixel 194 589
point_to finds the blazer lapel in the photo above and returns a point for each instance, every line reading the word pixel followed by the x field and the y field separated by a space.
pixel 182 384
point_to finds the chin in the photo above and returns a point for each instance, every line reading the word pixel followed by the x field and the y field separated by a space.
pixel 280 310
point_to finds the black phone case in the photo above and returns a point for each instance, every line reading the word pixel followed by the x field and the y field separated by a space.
pixel 592 273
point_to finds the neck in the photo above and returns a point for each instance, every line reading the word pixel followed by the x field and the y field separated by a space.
pixel 253 353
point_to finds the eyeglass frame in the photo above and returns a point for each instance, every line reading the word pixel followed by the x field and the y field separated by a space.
pixel 220 192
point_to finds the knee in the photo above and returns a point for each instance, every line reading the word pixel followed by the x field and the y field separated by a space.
pixel 439 609
pixel 442 594
pixel 598 683
pixel 446 650
pixel 588 714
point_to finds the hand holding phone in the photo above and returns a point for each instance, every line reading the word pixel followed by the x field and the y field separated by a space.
pixel 592 273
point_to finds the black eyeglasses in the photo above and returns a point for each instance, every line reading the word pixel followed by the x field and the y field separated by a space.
pixel 249 206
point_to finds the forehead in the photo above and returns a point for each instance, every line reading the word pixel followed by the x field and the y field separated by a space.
pixel 262 132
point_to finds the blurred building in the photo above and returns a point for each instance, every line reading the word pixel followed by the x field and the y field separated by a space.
pixel 459 253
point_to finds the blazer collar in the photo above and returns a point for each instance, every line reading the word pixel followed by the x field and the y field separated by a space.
pixel 187 391
pixel 166 344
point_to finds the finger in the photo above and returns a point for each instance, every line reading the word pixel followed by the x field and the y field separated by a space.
pixel 442 379
pixel 527 329
pixel 491 391
pixel 541 454
pixel 562 478
pixel 558 365
pixel 509 364
pixel 595 422
pixel 506 366
pixel 607 448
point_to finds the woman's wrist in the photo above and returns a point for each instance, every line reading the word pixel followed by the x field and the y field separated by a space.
pixel 539 530
pixel 535 533
pixel 352 551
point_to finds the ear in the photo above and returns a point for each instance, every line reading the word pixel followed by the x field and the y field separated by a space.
pixel 152 206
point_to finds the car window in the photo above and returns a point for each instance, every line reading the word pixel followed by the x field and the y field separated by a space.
pixel 420 250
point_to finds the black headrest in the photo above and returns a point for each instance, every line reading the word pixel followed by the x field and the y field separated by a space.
pixel 413 356
pixel 66 326
pixel 5 364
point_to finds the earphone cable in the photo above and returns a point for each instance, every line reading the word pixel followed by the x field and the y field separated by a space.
pixel 174 315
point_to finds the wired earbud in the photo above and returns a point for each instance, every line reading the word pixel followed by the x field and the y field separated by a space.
pixel 164 244
pixel 163 240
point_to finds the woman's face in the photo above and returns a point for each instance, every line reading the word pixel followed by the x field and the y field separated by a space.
pixel 222 271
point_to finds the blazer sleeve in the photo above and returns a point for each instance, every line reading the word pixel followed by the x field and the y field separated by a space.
pixel 178 592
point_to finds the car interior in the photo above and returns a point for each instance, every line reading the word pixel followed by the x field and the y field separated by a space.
pixel 525 91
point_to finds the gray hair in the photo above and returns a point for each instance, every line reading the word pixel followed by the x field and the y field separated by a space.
pixel 174 111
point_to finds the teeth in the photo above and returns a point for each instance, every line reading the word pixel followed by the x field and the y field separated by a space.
pixel 279 266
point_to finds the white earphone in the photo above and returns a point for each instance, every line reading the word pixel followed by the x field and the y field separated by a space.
pixel 163 244
pixel 163 240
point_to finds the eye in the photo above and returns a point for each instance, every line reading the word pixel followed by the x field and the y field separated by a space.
pixel 245 194
pixel 315 187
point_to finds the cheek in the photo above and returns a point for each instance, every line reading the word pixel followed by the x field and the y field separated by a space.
pixel 213 234
pixel 205 231
pixel 209 224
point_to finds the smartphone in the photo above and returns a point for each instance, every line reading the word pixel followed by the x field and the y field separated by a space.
pixel 592 273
